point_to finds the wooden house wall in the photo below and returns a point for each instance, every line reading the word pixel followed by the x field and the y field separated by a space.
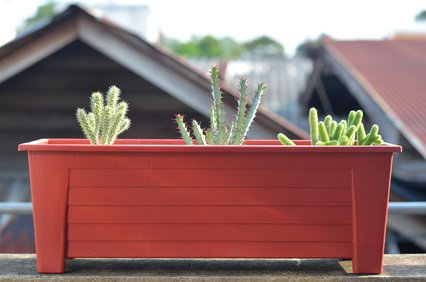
pixel 40 102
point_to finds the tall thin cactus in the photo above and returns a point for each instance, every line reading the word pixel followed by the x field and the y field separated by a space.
pixel 107 118
pixel 219 133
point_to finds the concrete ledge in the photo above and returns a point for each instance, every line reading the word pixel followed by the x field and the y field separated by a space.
pixel 396 268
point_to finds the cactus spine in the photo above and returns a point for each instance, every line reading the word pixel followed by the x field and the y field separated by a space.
pixel 344 133
pixel 219 133
pixel 106 120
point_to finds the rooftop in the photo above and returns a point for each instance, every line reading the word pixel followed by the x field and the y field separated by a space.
pixel 392 72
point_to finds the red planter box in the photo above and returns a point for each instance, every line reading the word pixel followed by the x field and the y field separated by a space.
pixel 164 199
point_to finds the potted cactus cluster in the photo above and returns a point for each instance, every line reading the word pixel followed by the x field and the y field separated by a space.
pixel 212 195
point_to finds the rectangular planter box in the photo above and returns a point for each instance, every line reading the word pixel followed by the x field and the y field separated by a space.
pixel 163 199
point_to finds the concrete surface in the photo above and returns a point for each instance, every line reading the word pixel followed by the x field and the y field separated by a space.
pixel 17 267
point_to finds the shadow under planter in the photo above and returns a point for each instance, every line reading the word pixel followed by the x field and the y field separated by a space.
pixel 163 199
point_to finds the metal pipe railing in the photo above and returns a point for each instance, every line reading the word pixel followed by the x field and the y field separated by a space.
pixel 413 208
pixel 17 208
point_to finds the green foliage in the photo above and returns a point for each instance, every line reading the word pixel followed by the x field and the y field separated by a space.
pixel 106 120
pixel 310 46
pixel 263 46
pixel 344 133
pixel 225 48
pixel 421 17
pixel 211 46
pixel 219 133
pixel 43 12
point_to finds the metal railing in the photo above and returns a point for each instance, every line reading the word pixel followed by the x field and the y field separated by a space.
pixel 16 208
pixel 413 208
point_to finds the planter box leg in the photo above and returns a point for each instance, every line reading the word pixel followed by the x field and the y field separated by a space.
pixel 370 196
pixel 49 188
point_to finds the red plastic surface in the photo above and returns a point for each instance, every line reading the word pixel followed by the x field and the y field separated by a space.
pixel 160 198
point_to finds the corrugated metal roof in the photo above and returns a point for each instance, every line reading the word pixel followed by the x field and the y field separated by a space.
pixel 393 72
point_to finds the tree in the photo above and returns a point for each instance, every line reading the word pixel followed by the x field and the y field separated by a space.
pixel 207 47
pixel 263 46
pixel 210 47
pixel 421 17
pixel 309 47
pixel 231 48
pixel 43 12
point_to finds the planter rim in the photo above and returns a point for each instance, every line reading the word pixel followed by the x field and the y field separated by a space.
pixel 178 145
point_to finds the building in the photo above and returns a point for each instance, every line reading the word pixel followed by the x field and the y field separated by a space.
pixel 385 78
pixel 49 72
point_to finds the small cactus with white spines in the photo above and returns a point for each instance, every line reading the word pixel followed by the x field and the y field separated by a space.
pixel 107 118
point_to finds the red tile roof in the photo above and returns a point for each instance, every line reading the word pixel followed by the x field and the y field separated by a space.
pixel 393 72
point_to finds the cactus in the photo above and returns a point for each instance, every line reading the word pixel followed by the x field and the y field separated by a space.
pixel 373 137
pixel 360 134
pixel 183 130
pixel 198 133
pixel 285 140
pixel 313 125
pixel 219 133
pixel 344 133
pixel 106 120
pixel 322 129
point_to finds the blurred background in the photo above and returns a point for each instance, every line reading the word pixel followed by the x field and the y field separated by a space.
pixel 334 55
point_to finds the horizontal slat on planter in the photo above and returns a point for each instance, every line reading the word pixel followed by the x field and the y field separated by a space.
pixel 86 249
pixel 211 177
pixel 209 196
pixel 208 232
pixel 210 214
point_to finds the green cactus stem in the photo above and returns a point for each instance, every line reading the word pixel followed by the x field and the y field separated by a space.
pixel 345 125
pixel 338 132
pixel 327 121
pixel 285 140
pixel 313 125
pixel 332 143
pixel 198 133
pixel 351 135
pixel 323 132
pixel 118 117
pixel 183 130
pixel 236 131
pixel 87 129
pixel 372 136
pixel 360 134
pixel 345 133
pixel 231 134
pixel 351 117
pixel 97 107
pixel 219 133
pixel 249 117
pixel 357 121
pixel 333 128
pixel 218 112
pixel 344 140
pixel 209 136
pixel 106 120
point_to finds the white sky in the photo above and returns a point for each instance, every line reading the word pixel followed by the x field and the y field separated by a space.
pixel 289 22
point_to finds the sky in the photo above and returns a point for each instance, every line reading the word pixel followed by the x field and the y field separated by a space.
pixel 289 22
